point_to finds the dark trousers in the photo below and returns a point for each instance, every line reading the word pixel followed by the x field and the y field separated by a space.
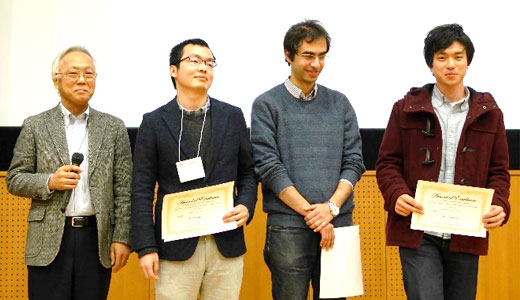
pixel 432 272
pixel 75 273
pixel 293 256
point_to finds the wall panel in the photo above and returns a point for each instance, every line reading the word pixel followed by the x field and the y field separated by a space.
pixel 13 223
pixel 498 276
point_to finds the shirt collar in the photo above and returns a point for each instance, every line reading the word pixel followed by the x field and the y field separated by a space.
pixel 296 92
pixel 197 111
pixel 439 100
pixel 69 117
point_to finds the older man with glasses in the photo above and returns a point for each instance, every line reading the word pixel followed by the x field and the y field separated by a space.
pixel 75 163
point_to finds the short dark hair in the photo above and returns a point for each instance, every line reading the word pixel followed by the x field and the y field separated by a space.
pixel 308 31
pixel 178 50
pixel 441 37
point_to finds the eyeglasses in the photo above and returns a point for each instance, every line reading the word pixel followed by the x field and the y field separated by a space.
pixel 75 75
pixel 197 60
pixel 310 57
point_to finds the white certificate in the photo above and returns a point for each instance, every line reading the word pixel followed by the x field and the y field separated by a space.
pixel 341 270
pixel 197 212
pixel 450 208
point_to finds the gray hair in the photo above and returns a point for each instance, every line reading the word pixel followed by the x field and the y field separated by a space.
pixel 59 57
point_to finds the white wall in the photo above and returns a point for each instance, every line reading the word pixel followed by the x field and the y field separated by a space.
pixel 376 53
pixel 5 54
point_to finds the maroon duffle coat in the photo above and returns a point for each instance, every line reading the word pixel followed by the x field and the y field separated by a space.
pixel 411 150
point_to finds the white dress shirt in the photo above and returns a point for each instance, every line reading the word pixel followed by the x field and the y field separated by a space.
pixel 76 131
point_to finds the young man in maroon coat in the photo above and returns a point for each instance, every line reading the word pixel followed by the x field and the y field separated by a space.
pixel 449 133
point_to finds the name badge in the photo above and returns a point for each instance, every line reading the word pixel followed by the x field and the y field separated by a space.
pixel 190 169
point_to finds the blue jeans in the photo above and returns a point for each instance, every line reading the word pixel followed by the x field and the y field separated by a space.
pixel 432 272
pixel 293 256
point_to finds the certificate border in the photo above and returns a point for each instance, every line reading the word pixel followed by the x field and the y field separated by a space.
pixel 170 199
pixel 485 195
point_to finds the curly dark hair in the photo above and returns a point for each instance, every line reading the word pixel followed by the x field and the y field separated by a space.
pixel 308 31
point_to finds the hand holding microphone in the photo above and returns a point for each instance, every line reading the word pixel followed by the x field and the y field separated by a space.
pixel 67 177
pixel 77 158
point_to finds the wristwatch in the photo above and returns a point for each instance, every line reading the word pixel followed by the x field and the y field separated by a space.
pixel 334 209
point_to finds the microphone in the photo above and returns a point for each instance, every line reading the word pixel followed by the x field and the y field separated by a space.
pixel 77 158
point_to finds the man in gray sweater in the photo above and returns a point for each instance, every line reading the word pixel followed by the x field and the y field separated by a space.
pixel 307 150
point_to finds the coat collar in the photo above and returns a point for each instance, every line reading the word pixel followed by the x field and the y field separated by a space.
pixel 96 128
pixel 96 125
pixel 219 127
pixel 171 115
pixel 56 129
pixel 419 100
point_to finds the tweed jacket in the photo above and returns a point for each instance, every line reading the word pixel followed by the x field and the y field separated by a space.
pixel 155 155
pixel 40 150
pixel 411 150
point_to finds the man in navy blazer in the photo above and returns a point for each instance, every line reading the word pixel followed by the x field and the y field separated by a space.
pixel 190 126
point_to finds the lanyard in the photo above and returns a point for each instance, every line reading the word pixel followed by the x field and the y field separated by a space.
pixel 201 130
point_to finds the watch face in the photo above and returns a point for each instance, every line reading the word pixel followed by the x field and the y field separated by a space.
pixel 334 210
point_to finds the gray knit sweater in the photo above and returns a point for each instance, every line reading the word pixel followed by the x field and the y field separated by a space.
pixel 308 144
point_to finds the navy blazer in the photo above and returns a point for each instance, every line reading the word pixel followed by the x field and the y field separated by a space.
pixel 155 155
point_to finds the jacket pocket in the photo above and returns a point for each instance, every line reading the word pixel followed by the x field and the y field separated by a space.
pixel 486 123
pixel 417 121
pixel 482 128
pixel 34 240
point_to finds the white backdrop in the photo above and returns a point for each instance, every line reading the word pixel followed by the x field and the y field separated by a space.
pixel 375 56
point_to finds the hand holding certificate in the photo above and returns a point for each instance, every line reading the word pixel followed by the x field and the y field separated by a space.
pixel 450 208
pixel 197 212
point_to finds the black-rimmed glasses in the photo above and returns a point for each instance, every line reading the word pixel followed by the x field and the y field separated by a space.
pixel 197 60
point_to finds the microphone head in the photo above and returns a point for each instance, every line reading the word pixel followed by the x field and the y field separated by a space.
pixel 77 158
